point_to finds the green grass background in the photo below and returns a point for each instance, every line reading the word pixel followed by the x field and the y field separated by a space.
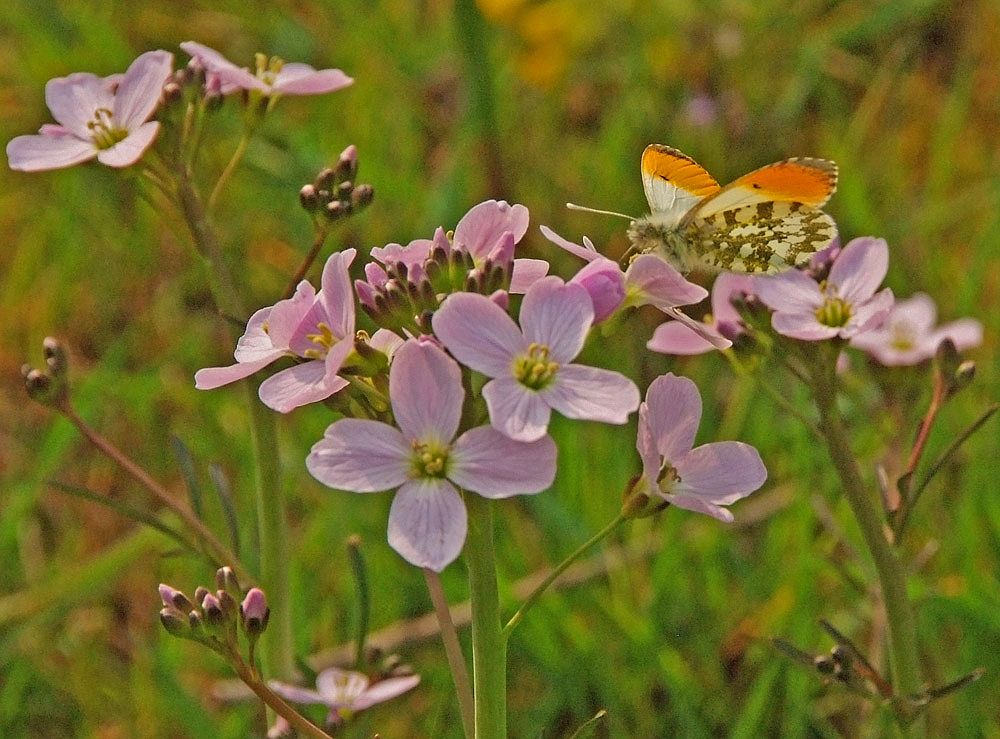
pixel 905 96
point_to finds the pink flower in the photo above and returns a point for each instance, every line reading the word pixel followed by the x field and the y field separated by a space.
pixel 427 520
pixel 650 280
pixel 272 77
pixel 702 479
pixel 107 118
pixel 908 335
pixel 605 284
pixel 344 692
pixel 844 304
pixel 531 365
pixel 318 327
pixel 676 337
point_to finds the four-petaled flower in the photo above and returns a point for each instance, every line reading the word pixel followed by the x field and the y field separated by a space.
pixel 273 77
pixel 422 457
pixel 531 364
pixel 702 479
pixel 318 327
pixel 102 117
pixel 908 335
pixel 344 692
pixel 844 304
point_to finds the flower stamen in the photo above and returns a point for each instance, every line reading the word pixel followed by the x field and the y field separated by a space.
pixel 429 460
pixel 103 131
pixel 534 369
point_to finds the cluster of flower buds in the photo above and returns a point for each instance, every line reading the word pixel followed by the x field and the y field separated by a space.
pixel 213 619
pixel 49 386
pixel 334 194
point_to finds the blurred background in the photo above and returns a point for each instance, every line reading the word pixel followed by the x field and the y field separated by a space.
pixel 538 102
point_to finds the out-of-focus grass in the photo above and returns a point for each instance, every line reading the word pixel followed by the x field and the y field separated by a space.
pixel 903 95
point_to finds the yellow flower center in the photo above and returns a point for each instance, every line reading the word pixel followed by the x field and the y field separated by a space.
pixel 534 369
pixel 667 478
pixel 429 460
pixel 103 131
pixel 903 337
pixel 323 339
pixel 267 67
pixel 835 311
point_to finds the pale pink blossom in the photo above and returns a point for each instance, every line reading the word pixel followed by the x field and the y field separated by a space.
pixel 345 692
pixel 908 335
pixel 316 327
pixel 422 457
pixel 676 337
pixel 702 479
pixel 272 77
pixel 531 365
pixel 845 304
pixel 106 118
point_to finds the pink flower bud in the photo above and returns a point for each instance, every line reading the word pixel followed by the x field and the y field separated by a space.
pixel 255 611
pixel 605 283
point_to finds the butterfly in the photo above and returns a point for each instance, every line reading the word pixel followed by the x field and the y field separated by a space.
pixel 765 222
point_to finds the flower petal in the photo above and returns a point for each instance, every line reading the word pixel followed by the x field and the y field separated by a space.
pixel 708 333
pixel 385 690
pixel 302 79
pixel 229 75
pixel 965 333
pixel 141 88
pixel 361 456
pixel 296 386
pixel 790 292
pixel 427 523
pixel 287 315
pixel 129 150
pixel 75 99
pixel 859 269
pixel 804 326
pixel 557 315
pixel 525 273
pixel 674 337
pixel 870 314
pixel 515 411
pixel 725 287
pixel 592 394
pixel 650 280
pixel 673 410
pixel 295 693
pixel 336 295
pixel 700 505
pixel 341 688
pixel 486 462
pixel 478 333
pixel 42 152
pixel 484 224
pixel 720 473
pixel 425 388
pixel 210 378
pixel 587 251
pixel 605 283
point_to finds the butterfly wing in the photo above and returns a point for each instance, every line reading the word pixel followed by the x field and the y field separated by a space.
pixel 674 182
pixel 803 180
pixel 762 238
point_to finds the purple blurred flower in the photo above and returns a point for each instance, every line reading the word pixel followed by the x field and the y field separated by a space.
pixel 676 337
pixel 702 479
pixel 107 118
pixel 427 520
pixel 318 327
pixel 844 304
pixel 531 365
pixel 908 335
pixel 345 693
pixel 272 77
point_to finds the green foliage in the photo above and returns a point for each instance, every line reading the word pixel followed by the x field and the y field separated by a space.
pixel 676 642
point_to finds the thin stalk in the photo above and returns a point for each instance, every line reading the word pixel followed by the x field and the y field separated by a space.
pixel 453 650
pixel 253 680
pixel 552 576
pixel 891 574
pixel 489 648
pixel 321 233
pixel 234 162
pixel 215 548
pixel 272 524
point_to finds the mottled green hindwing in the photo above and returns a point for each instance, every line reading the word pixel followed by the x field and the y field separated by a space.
pixel 762 238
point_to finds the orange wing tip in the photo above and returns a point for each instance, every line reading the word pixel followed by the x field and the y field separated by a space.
pixel 677 168
pixel 808 181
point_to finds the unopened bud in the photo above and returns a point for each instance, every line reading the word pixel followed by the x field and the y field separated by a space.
pixel 964 376
pixel 947 358
pixel 199 594
pixel 335 210
pixel 229 605
pixel 196 622
pixel 326 179
pixel 225 579
pixel 174 622
pixel 254 612
pixel 214 615
pixel 344 189
pixel 173 598
pixel 171 92
pixel 347 164
pixel 309 198
pixel 362 195
pixel 37 383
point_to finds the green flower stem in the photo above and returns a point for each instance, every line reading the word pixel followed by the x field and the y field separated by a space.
pixel 552 576
pixel 489 648
pixel 322 231
pixel 453 651
pixel 234 162
pixel 272 524
pixel 253 680
pixel 906 678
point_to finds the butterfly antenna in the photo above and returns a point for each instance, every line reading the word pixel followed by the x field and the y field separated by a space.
pixel 574 206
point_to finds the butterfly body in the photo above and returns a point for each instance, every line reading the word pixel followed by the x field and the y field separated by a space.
pixel 764 222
